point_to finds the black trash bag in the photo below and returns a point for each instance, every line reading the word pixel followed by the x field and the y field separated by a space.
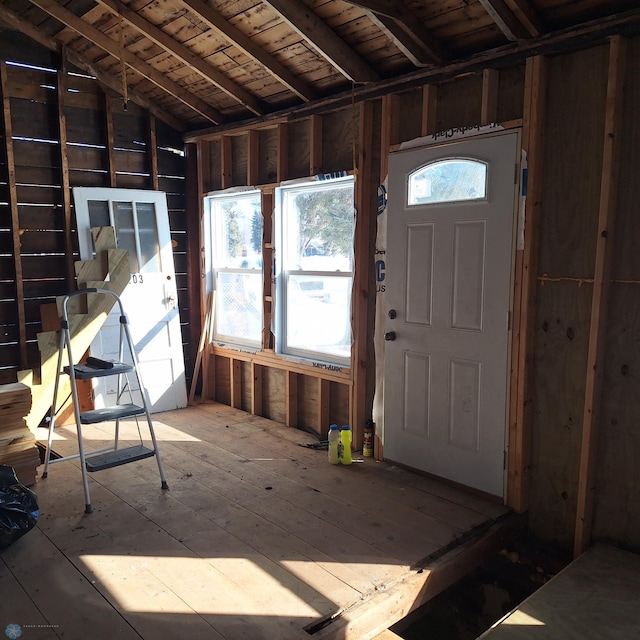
pixel 19 510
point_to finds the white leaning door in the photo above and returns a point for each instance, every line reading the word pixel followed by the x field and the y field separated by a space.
pixel 150 300
pixel 449 265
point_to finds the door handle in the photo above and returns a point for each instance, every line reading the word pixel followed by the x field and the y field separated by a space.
pixel 390 336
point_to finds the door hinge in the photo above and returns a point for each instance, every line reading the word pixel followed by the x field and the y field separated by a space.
pixel 504 459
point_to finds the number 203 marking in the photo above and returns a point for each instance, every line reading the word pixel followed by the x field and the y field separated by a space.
pixel 136 278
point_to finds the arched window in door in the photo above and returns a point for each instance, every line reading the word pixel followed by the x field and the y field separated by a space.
pixel 448 180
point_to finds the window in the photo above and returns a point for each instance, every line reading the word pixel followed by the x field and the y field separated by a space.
pixel 314 249
pixel 450 180
pixel 236 265
pixel 313 269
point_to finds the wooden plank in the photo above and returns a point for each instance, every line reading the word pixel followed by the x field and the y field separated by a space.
pixel 366 192
pixel 43 574
pixel 143 68
pixel 283 152
pixel 291 399
pixel 257 383
pixel 391 605
pixel 489 109
pixel 111 160
pixel 524 311
pixel 62 91
pixel 315 145
pixel 323 413
pixel 226 161
pixel 153 153
pixel 13 207
pixel 253 158
pixel 235 372
pixel 429 109
pixel 601 286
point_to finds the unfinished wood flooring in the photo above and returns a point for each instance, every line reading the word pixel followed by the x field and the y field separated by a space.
pixel 258 537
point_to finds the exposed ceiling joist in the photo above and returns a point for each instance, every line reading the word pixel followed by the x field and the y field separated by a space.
pixel 506 20
pixel 140 66
pixel 14 21
pixel 216 21
pixel 527 15
pixel 185 55
pixel 328 44
pixel 404 28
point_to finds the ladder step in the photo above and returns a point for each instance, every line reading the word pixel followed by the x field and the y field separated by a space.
pixel 110 413
pixel 116 458
pixel 100 369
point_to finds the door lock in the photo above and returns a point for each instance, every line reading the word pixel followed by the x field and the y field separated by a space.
pixel 392 314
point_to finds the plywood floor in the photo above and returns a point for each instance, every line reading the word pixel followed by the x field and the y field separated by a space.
pixel 258 537
pixel 596 597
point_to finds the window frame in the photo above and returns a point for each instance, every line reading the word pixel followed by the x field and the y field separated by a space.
pixel 282 274
pixel 213 230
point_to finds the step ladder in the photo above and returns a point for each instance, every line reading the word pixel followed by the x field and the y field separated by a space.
pixel 112 455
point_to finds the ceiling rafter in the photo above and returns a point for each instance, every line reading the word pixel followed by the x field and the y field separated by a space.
pixel 324 40
pixel 528 16
pixel 405 30
pixel 216 21
pixel 505 19
pixel 184 54
pixel 14 21
pixel 131 60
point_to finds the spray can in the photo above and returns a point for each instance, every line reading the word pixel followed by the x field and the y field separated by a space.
pixel 344 447
pixel 334 441
pixel 367 446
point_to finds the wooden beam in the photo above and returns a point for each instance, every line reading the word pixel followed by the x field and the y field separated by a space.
pixel 429 109
pixel 560 40
pixel 257 384
pixel 153 153
pixel 111 156
pixel 489 108
pixel 283 152
pixel 527 15
pixel 315 145
pixel 238 39
pixel 404 29
pixel 14 21
pixel 226 149
pixel 525 291
pixel 324 40
pixel 599 300
pixel 506 20
pixel 324 401
pixel 365 196
pixel 13 212
pixel 103 41
pixel 291 399
pixel 185 55
pixel 253 157
pixel 386 135
pixel 235 373
pixel 64 171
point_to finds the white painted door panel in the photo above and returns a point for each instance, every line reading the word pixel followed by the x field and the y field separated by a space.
pixel 141 223
pixel 448 279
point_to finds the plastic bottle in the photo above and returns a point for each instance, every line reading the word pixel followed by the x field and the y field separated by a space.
pixel 334 441
pixel 367 447
pixel 344 452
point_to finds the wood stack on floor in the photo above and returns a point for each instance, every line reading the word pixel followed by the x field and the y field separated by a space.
pixel 17 443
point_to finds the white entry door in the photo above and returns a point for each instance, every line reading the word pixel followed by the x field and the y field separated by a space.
pixel 449 266
pixel 150 300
